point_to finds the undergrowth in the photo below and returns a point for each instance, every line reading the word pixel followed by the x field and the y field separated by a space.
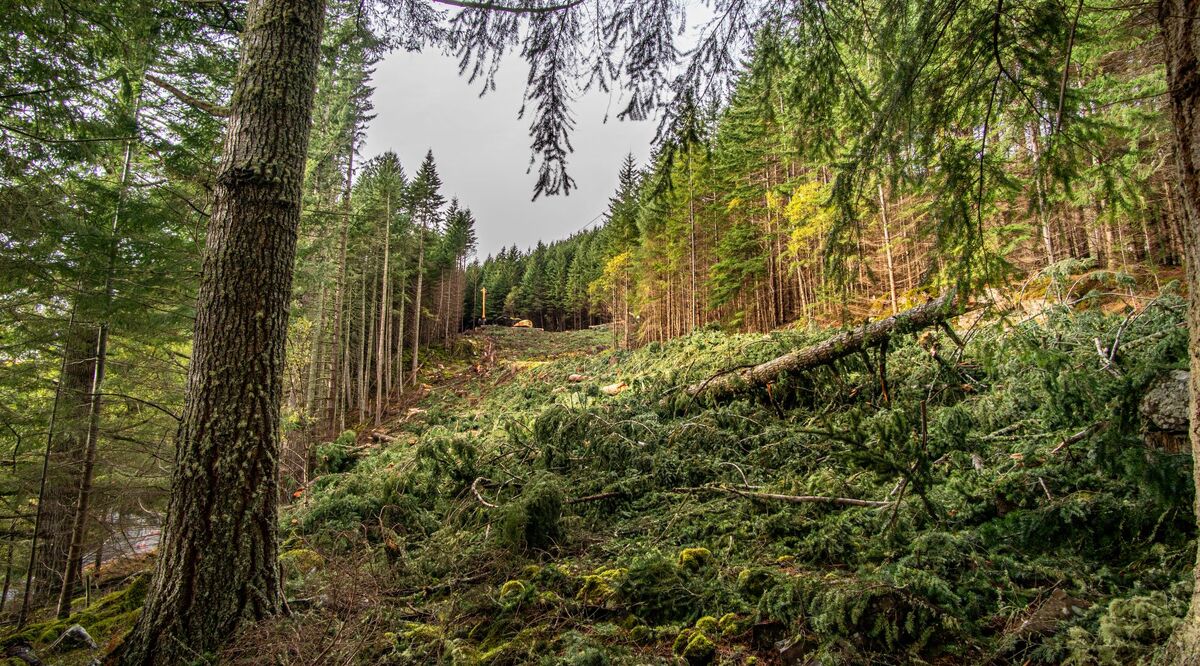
pixel 543 521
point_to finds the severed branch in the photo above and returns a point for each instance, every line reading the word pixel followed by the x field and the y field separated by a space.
pixel 1078 437
pixel 741 491
pixel 839 346
pixel 594 498
pixel 489 5
pixel 790 499
pixel 207 107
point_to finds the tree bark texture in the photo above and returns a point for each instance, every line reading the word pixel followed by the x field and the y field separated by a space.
pixel 218 562
pixel 63 467
pixel 1181 45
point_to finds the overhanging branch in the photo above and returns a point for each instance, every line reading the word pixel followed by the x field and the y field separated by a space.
pixel 207 107
pixel 518 9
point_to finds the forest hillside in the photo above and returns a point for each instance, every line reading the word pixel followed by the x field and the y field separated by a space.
pixel 995 492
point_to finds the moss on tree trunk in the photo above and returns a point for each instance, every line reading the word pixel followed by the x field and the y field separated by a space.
pixel 1178 22
pixel 218 559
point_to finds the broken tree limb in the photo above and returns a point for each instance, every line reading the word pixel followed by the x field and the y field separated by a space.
pixel 1078 437
pixel 839 346
pixel 791 499
pixel 594 498
pixel 478 495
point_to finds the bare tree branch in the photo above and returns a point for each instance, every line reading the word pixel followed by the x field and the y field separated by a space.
pixel 489 5
pixel 207 107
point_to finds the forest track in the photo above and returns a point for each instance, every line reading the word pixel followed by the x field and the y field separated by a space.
pixel 481 361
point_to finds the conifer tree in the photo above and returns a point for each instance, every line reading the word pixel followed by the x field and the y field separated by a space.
pixel 424 203
pixel 218 562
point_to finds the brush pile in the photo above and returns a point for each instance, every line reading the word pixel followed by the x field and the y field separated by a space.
pixel 996 502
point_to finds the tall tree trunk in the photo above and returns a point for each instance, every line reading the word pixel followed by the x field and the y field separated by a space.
pixel 65 439
pixel 218 559
pixel 381 356
pixel 315 360
pixel 398 348
pixel 8 564
pixel 887 249
pixel 363 342
pixel 78 533
pixel 694 313
pixel 332 401
pixel 1178 21
pixel 370 367
pixel 416 331
pixel 82 503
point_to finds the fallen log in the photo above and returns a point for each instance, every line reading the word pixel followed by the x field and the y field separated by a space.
pixel 724 385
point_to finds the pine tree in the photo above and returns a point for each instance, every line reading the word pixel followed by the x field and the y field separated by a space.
pixel 424 203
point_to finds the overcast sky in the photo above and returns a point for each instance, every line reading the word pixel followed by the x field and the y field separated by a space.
pixel 482 148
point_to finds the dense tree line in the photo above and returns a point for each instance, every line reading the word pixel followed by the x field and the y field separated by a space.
pixel 109 159
pixel 739 220
pixel 398 255
pixel 547 284
pixel 380 260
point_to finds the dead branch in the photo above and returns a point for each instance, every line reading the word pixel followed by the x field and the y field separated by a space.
pixel 478 496
pixel 594 498
pixel 790 499
pixel 1078 437
pixel 513 9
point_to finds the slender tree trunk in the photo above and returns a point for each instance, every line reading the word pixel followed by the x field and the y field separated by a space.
pixel 78 532
pixel 8 564
pixel 363 344
pixel 59 484
pixel 1040 194
pixel 381 359
pixel 416 331
pixel 314 365
pixel 398 349
pixel 371 365
pixel 388 332
pixel 332 395
pixel 218 559
pixel 443 306
pixel 628 313
pixel 79 525
pixel 1178 20
pixel 1175 224
pixel 887 249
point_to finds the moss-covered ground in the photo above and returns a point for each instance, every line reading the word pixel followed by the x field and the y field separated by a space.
pixel 546 499
pixel 521 515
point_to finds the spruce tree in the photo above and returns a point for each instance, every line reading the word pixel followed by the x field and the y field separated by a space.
pixel 424 201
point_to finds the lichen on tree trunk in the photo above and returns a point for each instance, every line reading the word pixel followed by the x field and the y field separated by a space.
pixel 218 558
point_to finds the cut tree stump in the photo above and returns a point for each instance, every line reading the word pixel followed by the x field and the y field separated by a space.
pixel 728 384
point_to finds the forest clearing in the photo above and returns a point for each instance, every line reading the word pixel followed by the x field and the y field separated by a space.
pixel 1023 505
pixel 869 334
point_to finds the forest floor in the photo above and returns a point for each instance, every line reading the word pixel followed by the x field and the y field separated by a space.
pixel 545 498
